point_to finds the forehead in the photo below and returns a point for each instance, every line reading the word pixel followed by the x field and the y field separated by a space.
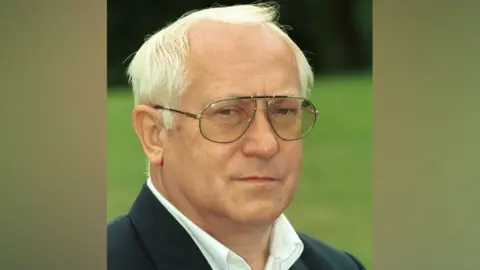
pixel 228 60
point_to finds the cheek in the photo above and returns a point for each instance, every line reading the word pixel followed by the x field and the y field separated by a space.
pixel 292 154
pixel 182 149
pixel 215 160
pixel 200 158
pixel 293 160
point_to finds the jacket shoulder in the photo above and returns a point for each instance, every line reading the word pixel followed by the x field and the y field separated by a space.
pixel 318 253
pixel 125 250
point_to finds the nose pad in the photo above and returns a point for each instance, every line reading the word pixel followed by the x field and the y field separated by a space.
pixel 261 120
pixel 261 140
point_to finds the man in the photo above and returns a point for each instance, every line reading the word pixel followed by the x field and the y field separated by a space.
pixel 220 112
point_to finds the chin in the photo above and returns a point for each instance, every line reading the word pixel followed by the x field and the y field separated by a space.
pixel 258 213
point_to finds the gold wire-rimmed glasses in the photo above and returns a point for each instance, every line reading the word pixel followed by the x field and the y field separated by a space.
pixel 228 119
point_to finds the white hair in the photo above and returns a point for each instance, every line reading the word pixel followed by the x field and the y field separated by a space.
pixel 157 72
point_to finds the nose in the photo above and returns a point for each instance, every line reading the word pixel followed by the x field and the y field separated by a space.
pixel 260 140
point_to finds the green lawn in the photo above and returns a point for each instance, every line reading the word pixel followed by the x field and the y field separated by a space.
pixel 334 199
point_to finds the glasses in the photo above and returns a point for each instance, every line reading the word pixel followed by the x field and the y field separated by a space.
pixel 226 120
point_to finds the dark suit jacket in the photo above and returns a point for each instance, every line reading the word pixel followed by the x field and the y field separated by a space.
pixel 149 238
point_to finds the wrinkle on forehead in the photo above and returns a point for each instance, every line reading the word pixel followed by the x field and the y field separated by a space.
pixel 212 41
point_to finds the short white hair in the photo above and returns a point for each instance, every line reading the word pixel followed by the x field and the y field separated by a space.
pixel 157 72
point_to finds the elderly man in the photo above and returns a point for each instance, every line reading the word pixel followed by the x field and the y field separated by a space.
pixel 220 112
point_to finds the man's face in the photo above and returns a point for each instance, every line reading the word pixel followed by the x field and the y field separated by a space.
pixel 225 61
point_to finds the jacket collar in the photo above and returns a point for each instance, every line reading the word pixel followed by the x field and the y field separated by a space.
pixel 162 235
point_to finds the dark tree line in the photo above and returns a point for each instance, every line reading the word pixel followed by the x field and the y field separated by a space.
pixel 334 34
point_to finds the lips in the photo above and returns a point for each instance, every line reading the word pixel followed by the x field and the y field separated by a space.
pixel 257 178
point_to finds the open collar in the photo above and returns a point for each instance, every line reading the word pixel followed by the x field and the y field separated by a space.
pixel 162 234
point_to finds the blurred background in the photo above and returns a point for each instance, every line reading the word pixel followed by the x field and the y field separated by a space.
pixel 333 202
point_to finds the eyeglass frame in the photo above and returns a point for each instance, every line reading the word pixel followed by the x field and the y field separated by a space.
pixel 268 97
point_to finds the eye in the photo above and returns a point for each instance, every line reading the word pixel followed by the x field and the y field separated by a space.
pixel 226 111
pixel 285 111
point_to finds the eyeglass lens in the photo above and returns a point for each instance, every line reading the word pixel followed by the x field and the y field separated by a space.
pixel 227 120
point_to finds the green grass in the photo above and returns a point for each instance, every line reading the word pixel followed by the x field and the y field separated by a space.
pixel 333 202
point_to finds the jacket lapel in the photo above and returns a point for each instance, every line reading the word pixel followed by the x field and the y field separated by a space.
pixel 299 265
pixel 167 243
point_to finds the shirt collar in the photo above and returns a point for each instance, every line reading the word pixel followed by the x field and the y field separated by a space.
pixel 284 241
pixel 216 250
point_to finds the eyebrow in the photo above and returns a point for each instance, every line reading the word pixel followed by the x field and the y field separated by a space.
pixel 233 96
pixel 287 92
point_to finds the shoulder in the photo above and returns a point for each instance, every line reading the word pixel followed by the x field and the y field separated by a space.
pixel 319 253
pixel 125 251
pixel 120 234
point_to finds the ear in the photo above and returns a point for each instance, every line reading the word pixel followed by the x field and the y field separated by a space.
pixel 149 129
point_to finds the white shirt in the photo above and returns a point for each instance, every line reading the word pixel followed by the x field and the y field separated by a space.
pixel 285 245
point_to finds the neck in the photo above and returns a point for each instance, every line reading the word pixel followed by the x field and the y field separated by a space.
pixel 252 243
pixel 249 242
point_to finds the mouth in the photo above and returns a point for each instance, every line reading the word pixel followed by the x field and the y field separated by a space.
pixel 257 179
